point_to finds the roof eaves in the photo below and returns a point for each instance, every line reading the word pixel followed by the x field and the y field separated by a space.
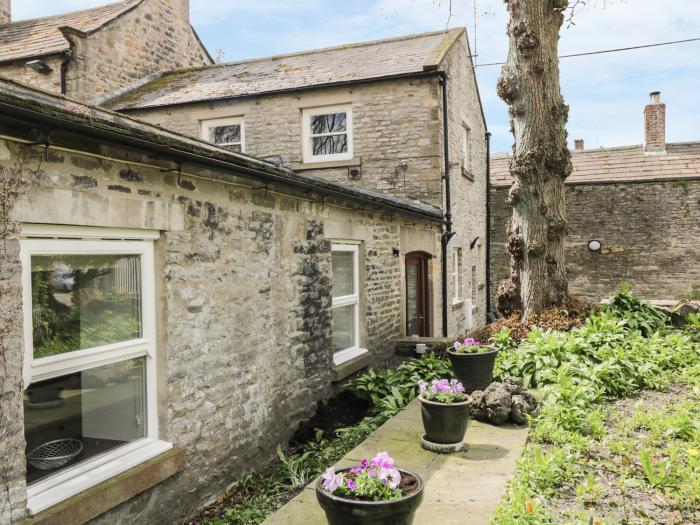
pixel 35 105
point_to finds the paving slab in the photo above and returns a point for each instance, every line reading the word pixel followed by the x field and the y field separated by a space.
pixel 463 488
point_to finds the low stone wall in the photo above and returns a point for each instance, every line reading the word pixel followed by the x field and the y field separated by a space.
pixel 649 231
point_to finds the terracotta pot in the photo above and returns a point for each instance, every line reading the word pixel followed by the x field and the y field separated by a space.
pixel 445 423
pixel 343 511
pixel 474 371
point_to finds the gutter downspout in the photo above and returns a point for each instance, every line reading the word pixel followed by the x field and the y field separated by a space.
pixel 448 233
pixel 489 315
pixel 67 57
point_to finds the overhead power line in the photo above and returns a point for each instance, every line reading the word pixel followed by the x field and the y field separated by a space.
pixel 608 50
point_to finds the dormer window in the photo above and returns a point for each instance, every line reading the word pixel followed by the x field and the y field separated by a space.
pixel 327 133
pixel 227 133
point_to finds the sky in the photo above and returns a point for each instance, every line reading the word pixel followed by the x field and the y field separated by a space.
pixel 606 93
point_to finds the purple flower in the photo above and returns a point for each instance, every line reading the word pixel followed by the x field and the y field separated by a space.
pixel 350 484
pixel 395 478
pixel 331 480
pixel 457 345
pixel 364 464
pixel 422 386
pixel 383 461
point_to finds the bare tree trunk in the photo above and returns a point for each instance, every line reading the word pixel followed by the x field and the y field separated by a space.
pixel 541 161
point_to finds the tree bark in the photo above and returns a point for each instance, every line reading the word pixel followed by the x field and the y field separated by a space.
pixel 541 160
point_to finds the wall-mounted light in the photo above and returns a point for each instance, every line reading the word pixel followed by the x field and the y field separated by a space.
pixel 39 66
pixel 473 243
pixel 594 245
pixel 396 251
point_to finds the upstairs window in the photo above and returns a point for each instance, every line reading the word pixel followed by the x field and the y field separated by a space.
pixel 227 133
pixel 466 148
pixel 327 134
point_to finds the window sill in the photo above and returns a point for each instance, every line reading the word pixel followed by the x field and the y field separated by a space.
pixel 467 174
pixel 356 161
pixel 104 486
pixel 351 365
pixel 457 302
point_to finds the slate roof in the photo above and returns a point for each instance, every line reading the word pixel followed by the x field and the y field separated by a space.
pixel 41 36
pixel 621 164
pixel 31 106
pixel 354 62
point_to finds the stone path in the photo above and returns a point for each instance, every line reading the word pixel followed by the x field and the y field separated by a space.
pixel 460 489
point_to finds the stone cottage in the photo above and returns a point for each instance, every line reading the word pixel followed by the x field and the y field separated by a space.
pixel 373 115
pixel 87 54
pixel 634 214
pixel 171 307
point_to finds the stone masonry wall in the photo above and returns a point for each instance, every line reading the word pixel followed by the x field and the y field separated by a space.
pixel 155 36
pixel 243 281
pixel 393 121
pixel 649 233
pixel 397 133
pixel 468 188
pixel 20 72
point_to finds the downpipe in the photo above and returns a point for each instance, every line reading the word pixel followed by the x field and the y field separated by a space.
pixel 447 233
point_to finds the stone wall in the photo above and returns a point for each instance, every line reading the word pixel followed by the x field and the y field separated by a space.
pixel 649 232
pixel 468 187
pixel 20 72
pixel 397 128
pixel 154 36
pixel 243 290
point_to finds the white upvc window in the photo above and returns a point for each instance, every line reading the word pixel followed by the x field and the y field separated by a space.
pixel 346 303
pixel 327 133
pixel 228 133
pixel 88 297
pixel 466 147
pixel 456 276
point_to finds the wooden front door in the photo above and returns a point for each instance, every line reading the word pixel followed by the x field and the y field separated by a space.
pixel 417 303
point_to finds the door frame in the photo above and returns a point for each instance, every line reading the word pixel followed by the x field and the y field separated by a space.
pixel 422 261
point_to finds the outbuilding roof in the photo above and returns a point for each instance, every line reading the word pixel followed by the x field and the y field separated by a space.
pixel 45 111
pixel 364 61
pixel 42 36
pixel 620 164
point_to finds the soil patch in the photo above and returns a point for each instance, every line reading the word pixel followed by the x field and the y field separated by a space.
pixel 617 494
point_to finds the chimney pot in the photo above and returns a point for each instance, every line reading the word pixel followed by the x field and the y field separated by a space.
pixel 5 11
pixel 655 124
pixel 578 144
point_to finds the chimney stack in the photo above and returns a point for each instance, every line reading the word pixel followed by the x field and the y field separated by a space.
pixel 5 11
pixel 578 144
pixel 655 124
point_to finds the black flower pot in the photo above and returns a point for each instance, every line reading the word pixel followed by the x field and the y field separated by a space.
pixel 474 371
pixel 343 511
pixel 445 423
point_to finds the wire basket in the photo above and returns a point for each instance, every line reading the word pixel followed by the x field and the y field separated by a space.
pixel 54 454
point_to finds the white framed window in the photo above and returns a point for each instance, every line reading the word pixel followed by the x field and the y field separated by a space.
pixel 466 147
pixel 474 285
pixel 228 133
pixel 327 133
pixel 346 303
pixel 456 275
pixel 88 298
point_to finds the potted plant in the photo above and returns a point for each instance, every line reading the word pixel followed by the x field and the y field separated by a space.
pixel 445 410
pixel 371 493
pixel 472 363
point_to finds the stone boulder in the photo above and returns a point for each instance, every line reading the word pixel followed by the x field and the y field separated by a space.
pixel 503 401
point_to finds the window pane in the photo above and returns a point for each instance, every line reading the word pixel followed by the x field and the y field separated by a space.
pixel 329 123
pixel 233 147
pixel 83 301
pixel 83 414
pixel 343 274
pixel 225 134
pixel 329 145
pixel 343 327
